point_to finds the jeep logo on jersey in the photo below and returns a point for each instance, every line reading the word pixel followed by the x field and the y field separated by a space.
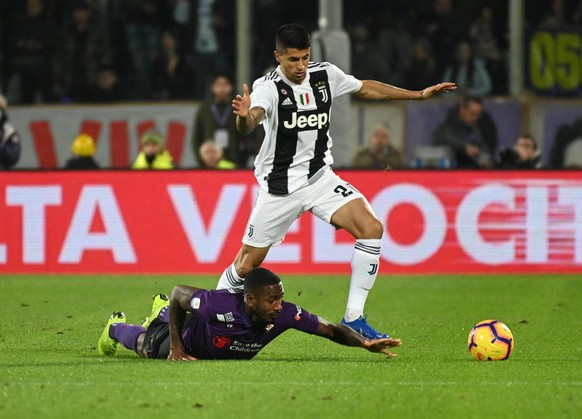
pixel 307 121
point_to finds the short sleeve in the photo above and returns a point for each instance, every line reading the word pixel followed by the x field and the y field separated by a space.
pixel 264 95
pixel 300 319
pixel 199 303
pixel 341 82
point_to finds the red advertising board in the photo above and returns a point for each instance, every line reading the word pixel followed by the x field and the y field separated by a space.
pixel 193 222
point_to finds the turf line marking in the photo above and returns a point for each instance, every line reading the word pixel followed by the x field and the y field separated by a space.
pixel 326 383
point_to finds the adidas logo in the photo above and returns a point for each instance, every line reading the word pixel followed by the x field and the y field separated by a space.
pixel 287 101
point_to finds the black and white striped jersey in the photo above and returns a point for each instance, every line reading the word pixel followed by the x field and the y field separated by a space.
pixel 297 116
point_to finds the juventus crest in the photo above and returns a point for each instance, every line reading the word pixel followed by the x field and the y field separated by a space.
pixel 323 91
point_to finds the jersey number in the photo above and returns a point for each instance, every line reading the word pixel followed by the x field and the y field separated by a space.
pixel 343 190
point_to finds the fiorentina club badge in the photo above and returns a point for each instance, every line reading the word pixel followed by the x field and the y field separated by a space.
pixel 268 327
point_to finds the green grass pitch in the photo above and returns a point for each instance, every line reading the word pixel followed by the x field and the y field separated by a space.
pixel 49 366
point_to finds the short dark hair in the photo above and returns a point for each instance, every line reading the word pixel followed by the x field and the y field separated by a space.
pixel 469 99
pixel 259 278
pixel 292 35
pixel 221 74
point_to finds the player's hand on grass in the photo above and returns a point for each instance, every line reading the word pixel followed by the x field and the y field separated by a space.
pixel 242 104
pixel 180 355
pixel 437 88
pixel 382 345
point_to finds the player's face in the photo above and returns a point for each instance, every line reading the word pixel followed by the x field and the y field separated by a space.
pixel 268 304
pixel 294 63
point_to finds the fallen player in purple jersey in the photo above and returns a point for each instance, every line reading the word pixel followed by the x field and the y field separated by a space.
pixel 198 324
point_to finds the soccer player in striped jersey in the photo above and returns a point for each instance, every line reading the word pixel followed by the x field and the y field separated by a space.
pixel 293 166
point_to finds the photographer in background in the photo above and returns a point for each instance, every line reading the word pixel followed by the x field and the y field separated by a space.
pixel 9 139
pixel 524 155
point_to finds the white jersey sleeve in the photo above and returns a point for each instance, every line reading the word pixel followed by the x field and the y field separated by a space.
pixel 342 83
pixel 264 95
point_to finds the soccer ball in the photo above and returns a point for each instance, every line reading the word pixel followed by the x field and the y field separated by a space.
pixel 490 340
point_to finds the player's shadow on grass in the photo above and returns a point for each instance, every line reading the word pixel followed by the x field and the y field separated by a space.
pixel 316 359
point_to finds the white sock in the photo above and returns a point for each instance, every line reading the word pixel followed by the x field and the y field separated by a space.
pixel 365 264
pixel 230 280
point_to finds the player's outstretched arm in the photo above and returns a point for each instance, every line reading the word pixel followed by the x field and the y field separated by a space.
pixel 179 303
pixel 346 336
pixel 247 118
pixel 375 90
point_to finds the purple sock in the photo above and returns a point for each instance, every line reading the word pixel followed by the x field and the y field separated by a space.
pixel 126 334
pixel 164 314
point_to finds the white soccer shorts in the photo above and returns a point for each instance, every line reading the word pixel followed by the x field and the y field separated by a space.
pixel 272 215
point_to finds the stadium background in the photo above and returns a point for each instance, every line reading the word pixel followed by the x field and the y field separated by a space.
pixel 535 220
pixel 76 245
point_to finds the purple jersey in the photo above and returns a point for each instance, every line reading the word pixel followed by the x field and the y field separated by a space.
pixel 221 329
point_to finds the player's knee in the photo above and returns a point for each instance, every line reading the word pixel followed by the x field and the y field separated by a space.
pixel 247 259
pixel 243 267
pixel 374 229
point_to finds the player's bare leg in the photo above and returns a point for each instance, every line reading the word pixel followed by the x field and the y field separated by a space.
pixel 358 218
pixel 248 258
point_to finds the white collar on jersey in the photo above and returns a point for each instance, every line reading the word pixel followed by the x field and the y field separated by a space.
pixel 285 79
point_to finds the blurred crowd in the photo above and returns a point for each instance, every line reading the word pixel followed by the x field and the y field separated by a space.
pixel 92 51
pixel 83 51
